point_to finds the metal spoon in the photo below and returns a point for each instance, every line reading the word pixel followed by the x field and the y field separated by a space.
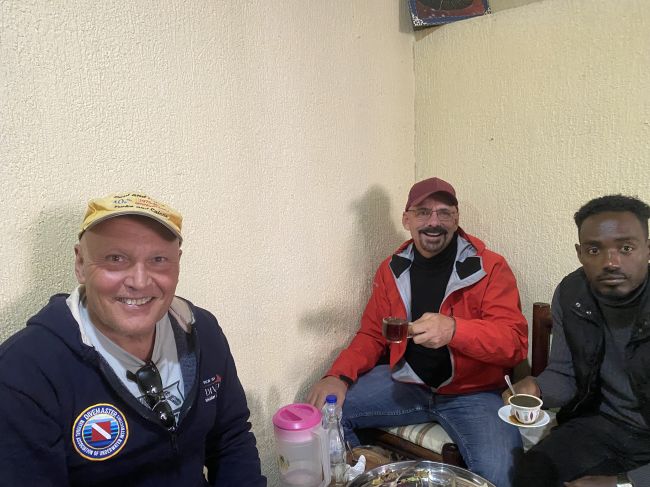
pixel 353 457
pixel 512 389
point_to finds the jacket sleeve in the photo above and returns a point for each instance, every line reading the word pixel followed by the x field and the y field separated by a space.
pixel 231 456
pixel 368 344
pixel 499 335
pixel 557 382
pixel 32 450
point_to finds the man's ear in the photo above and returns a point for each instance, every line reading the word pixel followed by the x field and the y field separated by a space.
pixel 405 222
pixel 579 252
pixel 79 264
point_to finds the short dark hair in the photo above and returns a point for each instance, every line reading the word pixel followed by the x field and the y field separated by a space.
pixel 614 202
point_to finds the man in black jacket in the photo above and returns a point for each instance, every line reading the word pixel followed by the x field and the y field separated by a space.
pixel 599 367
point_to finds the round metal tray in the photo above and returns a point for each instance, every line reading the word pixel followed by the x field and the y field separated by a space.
pixel 464 478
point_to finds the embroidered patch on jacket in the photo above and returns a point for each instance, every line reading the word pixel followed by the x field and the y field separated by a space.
pixel 100 432
pixel 211 387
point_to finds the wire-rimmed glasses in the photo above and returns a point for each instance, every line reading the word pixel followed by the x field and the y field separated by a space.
pixel 423 214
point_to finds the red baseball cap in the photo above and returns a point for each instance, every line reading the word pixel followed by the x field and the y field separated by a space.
pixel 425 188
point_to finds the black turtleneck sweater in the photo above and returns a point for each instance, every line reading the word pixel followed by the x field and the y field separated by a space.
pixel 620 315
pixel 429 278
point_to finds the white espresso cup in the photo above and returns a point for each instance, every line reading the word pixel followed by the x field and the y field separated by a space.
pixel 525 408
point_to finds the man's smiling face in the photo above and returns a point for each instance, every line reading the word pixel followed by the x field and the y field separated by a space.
pixel 129 266
pixel 433 234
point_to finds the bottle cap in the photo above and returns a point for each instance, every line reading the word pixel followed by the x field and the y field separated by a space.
pixel 331 399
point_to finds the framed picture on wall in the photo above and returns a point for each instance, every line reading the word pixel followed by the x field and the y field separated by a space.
pixel 435 12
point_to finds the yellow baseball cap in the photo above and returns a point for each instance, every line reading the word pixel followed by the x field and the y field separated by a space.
pixel 134 203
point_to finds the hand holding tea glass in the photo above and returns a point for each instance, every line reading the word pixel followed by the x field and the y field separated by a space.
pixel 431 330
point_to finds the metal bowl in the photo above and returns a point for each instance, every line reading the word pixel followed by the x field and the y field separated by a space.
pixel 464 478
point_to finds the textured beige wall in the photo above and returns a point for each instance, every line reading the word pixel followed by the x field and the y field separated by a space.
pixel 531 112
pixel 282 131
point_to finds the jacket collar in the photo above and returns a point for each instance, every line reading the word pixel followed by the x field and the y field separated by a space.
pixel 585 305
pixel 468 266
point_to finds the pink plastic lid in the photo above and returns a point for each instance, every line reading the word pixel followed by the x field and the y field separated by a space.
pixel 297 417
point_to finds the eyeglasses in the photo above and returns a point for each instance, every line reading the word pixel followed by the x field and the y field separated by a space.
pixel 423 214
pixel 149 382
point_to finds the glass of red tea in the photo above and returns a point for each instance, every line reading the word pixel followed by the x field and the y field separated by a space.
pixel 395 329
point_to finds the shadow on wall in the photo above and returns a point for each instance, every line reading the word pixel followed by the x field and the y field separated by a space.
pixel 51 266
pixel 405 21
pixel 375 238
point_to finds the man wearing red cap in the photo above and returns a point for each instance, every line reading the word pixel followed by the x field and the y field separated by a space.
pixel 468 331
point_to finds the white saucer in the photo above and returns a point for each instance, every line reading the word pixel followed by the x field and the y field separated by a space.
pixel 542 420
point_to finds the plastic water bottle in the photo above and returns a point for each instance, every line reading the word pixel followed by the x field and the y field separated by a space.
pixel 332 424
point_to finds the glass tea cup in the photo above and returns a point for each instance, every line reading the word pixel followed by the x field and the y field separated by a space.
pixel 395 329
pixel 441 476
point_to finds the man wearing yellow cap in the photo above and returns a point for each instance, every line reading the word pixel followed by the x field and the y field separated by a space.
pixel 122 381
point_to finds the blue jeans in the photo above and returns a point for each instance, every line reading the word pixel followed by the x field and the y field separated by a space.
pixel 488 445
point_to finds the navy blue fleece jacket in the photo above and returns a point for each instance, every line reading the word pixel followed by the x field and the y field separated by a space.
pixel 67 420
